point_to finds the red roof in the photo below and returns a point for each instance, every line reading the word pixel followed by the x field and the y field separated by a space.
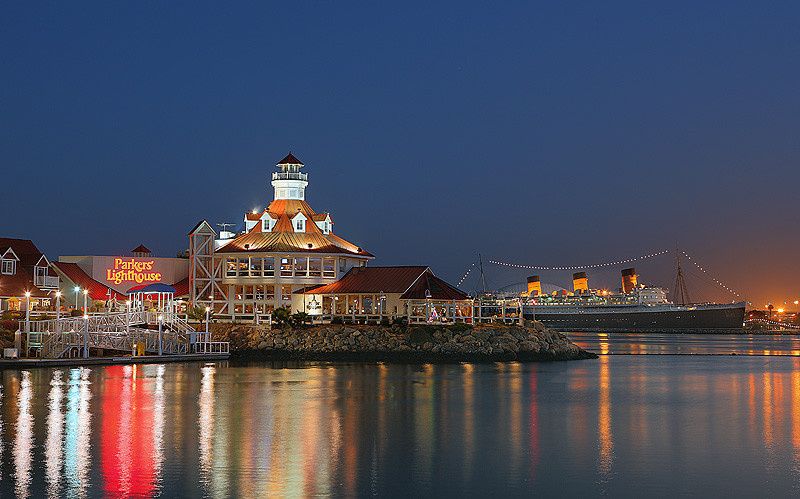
pixel 414 282
pixel 29 255
pixel 283 237
pixel 430 286
pixel 290 160
pixel 97 290
pixel 141 249
pixel 182 287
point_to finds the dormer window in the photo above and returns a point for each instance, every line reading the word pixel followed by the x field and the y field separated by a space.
pixel 266 225
pixel 9 267
pixel 300 225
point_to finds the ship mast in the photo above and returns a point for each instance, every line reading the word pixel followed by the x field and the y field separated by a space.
pixel 483 276
pixel 681 292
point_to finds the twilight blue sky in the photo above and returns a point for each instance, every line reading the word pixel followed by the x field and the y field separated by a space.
pixel 550 133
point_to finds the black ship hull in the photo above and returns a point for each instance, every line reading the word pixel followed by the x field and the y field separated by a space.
pixel 689 319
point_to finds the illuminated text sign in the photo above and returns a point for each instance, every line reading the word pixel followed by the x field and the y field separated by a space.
pixel 132 270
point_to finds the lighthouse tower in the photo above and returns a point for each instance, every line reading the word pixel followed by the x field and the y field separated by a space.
pixel 289 183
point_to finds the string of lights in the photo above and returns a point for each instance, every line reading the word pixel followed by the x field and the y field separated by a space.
pixel 578 267
pixel 716 281
pixel 464 277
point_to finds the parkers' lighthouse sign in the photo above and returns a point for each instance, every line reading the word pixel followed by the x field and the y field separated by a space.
pixel 132 270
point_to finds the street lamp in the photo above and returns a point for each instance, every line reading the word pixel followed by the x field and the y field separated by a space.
pixel 208 311
pixel 58 305
pixel 85 306
pixel 77 290
pixel 85 335
pixel 160 333
pixel 27 311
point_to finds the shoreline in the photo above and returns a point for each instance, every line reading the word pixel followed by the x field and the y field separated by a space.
pixel 393 357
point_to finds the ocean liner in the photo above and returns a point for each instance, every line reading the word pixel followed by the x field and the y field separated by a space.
pixel 635 308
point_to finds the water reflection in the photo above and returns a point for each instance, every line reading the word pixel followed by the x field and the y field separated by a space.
pixel 23 441
pixel 604 422
pixel 699 426
pixel 55 435
pixel 78 420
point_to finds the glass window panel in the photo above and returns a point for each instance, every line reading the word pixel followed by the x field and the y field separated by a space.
pixel 328 267
pixel 315 267
pixel 286 267
pixel 300 266
pixel 231 267
pixel 255 267
pixel 269 267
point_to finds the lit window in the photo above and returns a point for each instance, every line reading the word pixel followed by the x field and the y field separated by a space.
pixel 9 267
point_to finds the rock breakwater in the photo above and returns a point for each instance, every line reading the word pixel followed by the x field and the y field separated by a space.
pixel 397 343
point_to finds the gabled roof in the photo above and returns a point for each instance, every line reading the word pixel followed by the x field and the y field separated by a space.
pixel 27 256
pixel 411 281
pixel 27 252
pixel 141 249
pixel 430 286
pixel 290 160
pixel 97 290
pixel 9 254
pixel 205 226
pixel 374 280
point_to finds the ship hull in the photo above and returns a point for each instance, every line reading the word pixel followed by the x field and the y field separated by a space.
pixel 715 318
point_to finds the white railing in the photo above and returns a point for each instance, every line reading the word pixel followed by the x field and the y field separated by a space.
pixel 73 336
pixel 212 347
pixel 289 176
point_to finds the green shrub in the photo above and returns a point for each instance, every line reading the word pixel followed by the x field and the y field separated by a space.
pixel 300 318
pixel 282 317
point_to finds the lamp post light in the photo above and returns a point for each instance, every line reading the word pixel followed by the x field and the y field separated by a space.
pixel 85 336
pixel 85 306
pixel 58 305
pixel 160 334
pixel 77 290
pixel 208 312
pixel 28 313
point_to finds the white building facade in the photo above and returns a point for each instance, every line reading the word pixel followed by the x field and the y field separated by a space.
pixel 282 249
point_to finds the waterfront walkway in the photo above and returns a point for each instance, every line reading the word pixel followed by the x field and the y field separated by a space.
pixel 140 332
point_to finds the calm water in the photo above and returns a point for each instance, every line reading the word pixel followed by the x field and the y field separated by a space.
pixel 621 425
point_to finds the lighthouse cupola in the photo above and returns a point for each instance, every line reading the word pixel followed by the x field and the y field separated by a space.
pixel 289 182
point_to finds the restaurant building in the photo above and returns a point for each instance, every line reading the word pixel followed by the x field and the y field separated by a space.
pixel 111 279
pixel 283 248
pixel 370 293
pixel 25 269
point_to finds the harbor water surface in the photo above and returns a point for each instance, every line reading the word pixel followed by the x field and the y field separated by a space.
pixel 620 425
